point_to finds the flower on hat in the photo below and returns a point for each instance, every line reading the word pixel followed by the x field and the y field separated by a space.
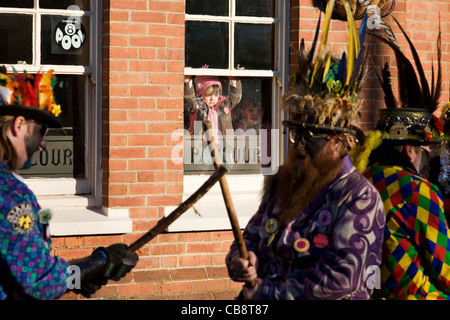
pixel 28 90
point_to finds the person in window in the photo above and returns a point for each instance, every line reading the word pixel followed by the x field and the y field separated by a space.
pixel 319 228
pixel 416 259
pixel 207 102
pixel 249 115
pixel 28 270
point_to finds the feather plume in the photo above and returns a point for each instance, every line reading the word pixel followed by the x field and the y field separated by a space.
pixel 316 36
pixel 437 88
pixel 389 97
pixel 353 44
pixel 426 96
pixel 409 88
pixel 323 40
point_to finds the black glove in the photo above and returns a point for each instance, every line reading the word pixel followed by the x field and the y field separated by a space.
pixel 112 262
pixel 120 262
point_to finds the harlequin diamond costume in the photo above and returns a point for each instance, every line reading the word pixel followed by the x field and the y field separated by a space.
pixel 28 269
pixel 322 242
pixel 416 245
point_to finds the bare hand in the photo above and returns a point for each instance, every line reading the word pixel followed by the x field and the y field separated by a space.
pixel 244 270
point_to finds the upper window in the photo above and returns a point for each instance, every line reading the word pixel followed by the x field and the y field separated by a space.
pixel 38 35
pixel 233 52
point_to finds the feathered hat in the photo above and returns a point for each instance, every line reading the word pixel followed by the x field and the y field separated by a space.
pixel 410 118
pixel 324 96
pixel 31 96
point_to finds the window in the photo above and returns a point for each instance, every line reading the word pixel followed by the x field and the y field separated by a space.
pixel 241 48
pixel 65 35
pixel 60 35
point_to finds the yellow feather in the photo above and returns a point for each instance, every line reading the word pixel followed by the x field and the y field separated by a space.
pixel 327 68
pixel 351 43
pixel 324 39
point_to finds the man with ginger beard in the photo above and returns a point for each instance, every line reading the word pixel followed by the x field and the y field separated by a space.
pixel 319 229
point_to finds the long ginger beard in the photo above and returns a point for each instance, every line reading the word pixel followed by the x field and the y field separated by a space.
pixel 299 183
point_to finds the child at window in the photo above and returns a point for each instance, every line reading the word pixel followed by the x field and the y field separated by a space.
pixel 249 115
pixel 207 102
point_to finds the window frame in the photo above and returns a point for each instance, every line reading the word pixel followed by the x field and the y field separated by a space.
pixel 246 188
pixel 90 186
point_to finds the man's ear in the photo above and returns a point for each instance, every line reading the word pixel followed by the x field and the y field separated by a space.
pixel 16 125
pixel 409 150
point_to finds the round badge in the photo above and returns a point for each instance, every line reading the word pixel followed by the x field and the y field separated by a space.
pixel 301 245
pixel 320 241
pixel 271 225
pixel 324 218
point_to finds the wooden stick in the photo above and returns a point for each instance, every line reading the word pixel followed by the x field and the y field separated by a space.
pixel 164 223
pixel 227 198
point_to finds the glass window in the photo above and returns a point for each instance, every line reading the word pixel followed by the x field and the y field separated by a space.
pixel 64 45
pixel 64 155
pixel 66 4
pixel 207 44
pixel 64 40
pixel 17 3
pixel 240 46
pixel 255 8
pixel 16 31
pixel 207 7
pixel 254 46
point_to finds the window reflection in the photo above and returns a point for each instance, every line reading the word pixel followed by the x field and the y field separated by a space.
pixel 16 42
pixel 206 44
pixel 17 3
pixel 254 45
pixel 65 4
pixel 65 149
pixel 207 7
pixel 255 8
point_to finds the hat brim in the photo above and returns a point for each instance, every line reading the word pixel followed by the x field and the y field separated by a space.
pixel 315 127
pixel 31 113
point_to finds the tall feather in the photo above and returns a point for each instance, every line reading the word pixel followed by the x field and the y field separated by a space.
pixel 324 39
pixel 342 73
pixel 352 45
pixel 426 95
pixel 316 36
pixel 436 91
pixel 389 97
pixel 360 57
pixel 409 88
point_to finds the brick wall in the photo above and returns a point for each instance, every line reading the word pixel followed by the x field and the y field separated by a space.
pixel 143 60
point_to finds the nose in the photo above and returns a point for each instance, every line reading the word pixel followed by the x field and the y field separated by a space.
pixel 42 145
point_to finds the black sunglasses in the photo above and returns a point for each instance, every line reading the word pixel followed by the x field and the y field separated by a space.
pixel 44 127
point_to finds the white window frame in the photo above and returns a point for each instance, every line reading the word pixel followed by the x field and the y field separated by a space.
pixel 245 189
pixel 77 214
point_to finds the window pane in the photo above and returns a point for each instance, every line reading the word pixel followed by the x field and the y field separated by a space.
pixel 65 40
pixel 17 3
pixel 247 148
pixel 65 4
pixel 255 8
pixel 206 44
pixel 16 31
pixel 208 7
pixel 65 151
pixel 254 46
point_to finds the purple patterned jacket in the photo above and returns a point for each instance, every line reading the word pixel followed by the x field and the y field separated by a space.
pixel 329 251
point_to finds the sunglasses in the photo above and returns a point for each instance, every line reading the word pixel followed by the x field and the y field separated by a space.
pixel 301 136
pixel 44 127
